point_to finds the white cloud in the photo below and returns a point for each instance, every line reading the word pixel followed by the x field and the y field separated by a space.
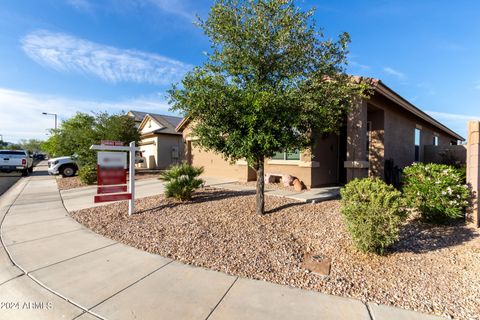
pixel 67 53
pixel 477 85
pixel 394 72
pixel 176 7
pixel 83 5
pixel 456 122
pixel 21 112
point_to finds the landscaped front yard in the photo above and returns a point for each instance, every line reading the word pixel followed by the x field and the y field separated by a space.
pixel 75 182
pixel 432 269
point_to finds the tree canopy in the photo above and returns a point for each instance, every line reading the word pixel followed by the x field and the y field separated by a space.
pixel 271 82
pixel 77 134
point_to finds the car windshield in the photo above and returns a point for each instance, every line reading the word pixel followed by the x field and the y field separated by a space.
pixel 21 153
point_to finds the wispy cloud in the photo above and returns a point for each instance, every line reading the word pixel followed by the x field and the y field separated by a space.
pixel 67 53
pixel 356 64
pixel 83 5
pixel 21 112
pixel 177 7
pixel 477 85
pixel 394 72
pixel 174 7
pixel 455 121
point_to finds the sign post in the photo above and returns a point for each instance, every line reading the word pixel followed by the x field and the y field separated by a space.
pixel 131 177
pixel 112 175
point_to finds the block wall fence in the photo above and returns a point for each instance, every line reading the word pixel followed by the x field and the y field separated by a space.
pixel 473 169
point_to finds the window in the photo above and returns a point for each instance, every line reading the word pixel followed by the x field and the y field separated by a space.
pixel 435 140
pixel 287 155
pixel 417 144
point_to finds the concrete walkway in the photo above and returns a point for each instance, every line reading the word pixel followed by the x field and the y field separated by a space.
pixel 51 267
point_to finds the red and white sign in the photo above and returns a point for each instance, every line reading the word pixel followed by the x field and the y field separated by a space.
pixel 112 172
pixel 111 143
pixel 109 159
pixel 112 197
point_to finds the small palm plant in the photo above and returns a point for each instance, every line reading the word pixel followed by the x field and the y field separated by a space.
pixel 181 180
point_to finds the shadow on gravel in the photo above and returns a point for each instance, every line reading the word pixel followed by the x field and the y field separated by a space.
pixel 284 206
pixel 419 237
pixel 203 196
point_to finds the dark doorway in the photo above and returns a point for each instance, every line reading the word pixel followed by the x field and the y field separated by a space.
pixel 342 155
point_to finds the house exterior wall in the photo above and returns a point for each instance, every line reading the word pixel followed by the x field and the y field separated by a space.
pixel 166 156
pixel 399 133
pixel 157 150
pixel 148 147
pixel 456 154
pixel 215 165
pixel 392 136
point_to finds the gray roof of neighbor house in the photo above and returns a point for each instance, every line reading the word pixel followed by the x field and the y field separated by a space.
pixel 137 115
pixel 169 123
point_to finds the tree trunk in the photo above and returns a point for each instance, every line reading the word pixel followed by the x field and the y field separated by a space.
pixel 260 187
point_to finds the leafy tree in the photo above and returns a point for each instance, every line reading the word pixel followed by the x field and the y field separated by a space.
pixel 271 82
pixel 31 145
pixel 77 134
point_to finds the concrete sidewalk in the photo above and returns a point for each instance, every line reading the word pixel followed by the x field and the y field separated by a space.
pixel 70 272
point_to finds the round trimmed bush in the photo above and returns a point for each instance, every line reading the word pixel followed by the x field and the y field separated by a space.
pixel 88 174
pixel 437 191
pixel 373 213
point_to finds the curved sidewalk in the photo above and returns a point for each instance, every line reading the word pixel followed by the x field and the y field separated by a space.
pixel 70 272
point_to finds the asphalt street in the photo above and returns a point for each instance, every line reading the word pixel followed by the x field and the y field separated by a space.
pixel 7 180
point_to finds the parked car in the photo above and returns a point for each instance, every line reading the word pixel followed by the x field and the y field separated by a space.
pixel 39 156
pixel 66 166
pixel 16 160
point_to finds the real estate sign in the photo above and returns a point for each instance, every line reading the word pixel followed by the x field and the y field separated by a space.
pixel 112 172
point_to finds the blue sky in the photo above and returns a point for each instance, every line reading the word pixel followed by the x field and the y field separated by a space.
pixel 64 56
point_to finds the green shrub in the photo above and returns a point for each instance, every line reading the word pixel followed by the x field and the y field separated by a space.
pixel 181 180
pixel 373 212
pixel 437 191
pixel 88 174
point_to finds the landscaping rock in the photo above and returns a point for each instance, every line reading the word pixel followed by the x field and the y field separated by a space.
pixel 298 185
pixel 317 263
pixel 287 180
pixel 433 269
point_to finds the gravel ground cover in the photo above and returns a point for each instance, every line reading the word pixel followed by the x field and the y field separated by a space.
pixel 74 182
pixel 432 269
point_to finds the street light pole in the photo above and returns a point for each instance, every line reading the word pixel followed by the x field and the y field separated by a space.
pixel 52 114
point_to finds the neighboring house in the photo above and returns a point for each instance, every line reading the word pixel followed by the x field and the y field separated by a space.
pixel 380 133
pixel 161 145
pixel 137 116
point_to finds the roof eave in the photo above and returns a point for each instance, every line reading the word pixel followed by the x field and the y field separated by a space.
pixel 395 97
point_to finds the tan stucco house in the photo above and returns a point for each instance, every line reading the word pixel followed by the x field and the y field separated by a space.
pixel 381 132
pixel 161 144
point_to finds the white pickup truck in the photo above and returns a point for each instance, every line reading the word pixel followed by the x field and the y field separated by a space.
pixel 16 160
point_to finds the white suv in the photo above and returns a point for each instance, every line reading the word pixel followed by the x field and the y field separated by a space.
pixel 66 166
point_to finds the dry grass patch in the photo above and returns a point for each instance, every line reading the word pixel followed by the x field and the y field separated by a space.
pixel 433 269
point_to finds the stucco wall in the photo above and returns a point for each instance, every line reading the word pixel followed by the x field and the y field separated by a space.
pixel 164 150
pixel 326 161
pixel 446 154
pixel 215 165
pixel 148 147
pixel 399 133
